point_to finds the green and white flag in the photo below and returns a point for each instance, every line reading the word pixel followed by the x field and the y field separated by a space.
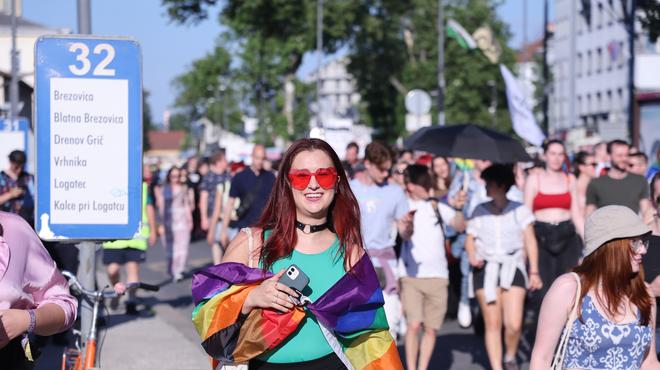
pixel 458 33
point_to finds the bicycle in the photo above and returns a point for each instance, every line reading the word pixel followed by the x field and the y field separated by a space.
pixel 72 358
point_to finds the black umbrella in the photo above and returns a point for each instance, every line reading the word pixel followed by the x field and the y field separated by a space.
pixel 467 141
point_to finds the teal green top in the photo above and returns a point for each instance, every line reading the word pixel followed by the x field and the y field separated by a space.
pixel 324 270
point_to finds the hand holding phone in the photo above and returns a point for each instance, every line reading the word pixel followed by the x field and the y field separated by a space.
pixel 271 293
pixel 294 278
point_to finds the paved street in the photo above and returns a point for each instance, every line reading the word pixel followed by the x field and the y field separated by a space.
pixel 162 336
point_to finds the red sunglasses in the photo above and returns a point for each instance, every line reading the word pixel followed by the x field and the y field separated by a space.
pixel 326 178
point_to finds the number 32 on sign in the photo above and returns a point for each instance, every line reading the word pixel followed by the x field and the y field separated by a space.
pixel 89 137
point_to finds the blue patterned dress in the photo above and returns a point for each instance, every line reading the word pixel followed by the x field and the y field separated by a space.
pixel 596 343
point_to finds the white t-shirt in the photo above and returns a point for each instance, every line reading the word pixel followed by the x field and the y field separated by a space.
pixel 423 256
pixel 497 235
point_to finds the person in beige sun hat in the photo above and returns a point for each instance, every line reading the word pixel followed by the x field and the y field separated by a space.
pixel 604 304
pixel 609 223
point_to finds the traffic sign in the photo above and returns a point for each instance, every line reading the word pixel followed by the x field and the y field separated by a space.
pixel 418 102
pixel 14 136
pixel 88 137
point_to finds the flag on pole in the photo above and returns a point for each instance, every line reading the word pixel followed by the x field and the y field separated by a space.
pixel 524 123
pixel 458 33
pixel 486 41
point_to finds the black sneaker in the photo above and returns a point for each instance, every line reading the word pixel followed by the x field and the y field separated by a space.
pixel 131 308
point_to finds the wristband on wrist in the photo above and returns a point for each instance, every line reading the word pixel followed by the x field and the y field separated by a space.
pixel 533 273
pixel 33 321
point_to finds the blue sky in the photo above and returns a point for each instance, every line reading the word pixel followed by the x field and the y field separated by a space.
pixel 168 49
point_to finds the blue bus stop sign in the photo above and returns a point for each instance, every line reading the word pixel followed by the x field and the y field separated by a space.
pixel 15 135
pixel 88 138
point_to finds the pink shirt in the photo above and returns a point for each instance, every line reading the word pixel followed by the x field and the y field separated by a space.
pixel 28 276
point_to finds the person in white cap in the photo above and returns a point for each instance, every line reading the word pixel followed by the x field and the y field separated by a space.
pixel 607 309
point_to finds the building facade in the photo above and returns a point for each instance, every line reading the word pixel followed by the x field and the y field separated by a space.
pixel 338 93
pixel 27 34
pixel 600 69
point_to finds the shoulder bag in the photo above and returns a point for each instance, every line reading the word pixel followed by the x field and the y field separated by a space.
pixel 558 359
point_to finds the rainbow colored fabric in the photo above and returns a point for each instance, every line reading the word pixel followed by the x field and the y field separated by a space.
pixel 352 309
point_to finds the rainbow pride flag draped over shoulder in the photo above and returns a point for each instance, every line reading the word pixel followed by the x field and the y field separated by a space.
pixel 352 310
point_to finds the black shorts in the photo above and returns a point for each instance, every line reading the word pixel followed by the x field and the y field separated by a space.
pixel 327 362
pixel 479 274
pixel 121 256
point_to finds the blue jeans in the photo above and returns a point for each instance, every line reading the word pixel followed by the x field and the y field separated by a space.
pixel 657 343
pixel 458 251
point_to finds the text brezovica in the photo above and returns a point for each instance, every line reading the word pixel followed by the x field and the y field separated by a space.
pixel 65 96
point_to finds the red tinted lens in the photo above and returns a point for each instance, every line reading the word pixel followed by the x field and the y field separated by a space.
pixel 326 177
pixel 300 179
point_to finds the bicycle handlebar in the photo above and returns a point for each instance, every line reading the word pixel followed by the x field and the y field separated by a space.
pixel 106 293
pixel 149 287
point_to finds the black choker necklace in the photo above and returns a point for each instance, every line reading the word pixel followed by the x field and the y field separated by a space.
pixel 310 229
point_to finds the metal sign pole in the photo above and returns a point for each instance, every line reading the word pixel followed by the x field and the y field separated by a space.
pixel 13 86
pixel 441 64
pixel 87 249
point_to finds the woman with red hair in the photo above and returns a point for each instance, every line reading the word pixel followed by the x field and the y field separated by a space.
pixel 608 310
pixel 312 221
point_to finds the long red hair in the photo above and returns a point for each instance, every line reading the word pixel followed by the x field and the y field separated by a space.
pixel 279 215
pixel 610 265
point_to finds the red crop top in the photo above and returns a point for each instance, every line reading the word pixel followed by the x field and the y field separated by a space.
pixel 544 201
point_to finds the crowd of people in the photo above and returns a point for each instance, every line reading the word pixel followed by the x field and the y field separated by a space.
pixel 510 229
pixel 484 241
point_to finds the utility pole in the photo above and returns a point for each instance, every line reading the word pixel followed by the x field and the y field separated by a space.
pixel 632 8
pixel 13 85
pixel 84 17
pixel 87 249
pixel 524 20
pixel 572 53
pixel 441 64
pixel 319 51
pixel 546 35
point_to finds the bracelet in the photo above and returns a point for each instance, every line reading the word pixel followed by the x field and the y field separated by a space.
pixel 33 321
pixel 533 273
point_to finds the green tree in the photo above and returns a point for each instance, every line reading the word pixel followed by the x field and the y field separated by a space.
pixel 147 121
pixel 272 38
pixel 207 90
pixel 273 35
pixel 394 49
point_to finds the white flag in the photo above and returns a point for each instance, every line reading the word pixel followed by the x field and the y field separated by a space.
pixel 524 123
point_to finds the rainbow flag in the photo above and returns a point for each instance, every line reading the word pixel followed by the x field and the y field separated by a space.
pixel 352 310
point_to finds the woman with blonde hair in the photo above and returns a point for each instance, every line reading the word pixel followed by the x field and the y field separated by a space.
pixel 606 308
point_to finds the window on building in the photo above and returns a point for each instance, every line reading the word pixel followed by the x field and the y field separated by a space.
pixel 608 100
pixel 620 103
pixel 579 108
pixel 620 56
pixel 599 16
pixel 611 11
pixel 588 67
pixel 578 67
pixel 587 107
pixel 599 103
pixel 599 60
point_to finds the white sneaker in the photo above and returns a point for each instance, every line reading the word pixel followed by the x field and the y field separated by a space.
pixel 464 315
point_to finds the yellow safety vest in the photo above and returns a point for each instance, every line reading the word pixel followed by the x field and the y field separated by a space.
pixel 140 242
